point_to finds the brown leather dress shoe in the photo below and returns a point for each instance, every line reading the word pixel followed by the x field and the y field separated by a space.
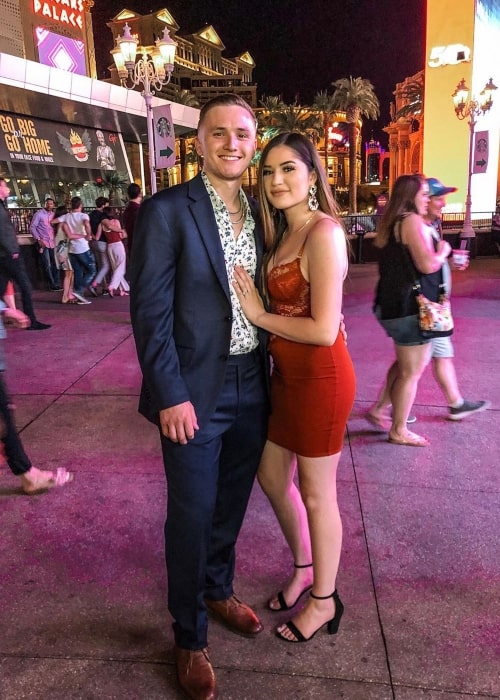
pixel 237 616
pixel 195 674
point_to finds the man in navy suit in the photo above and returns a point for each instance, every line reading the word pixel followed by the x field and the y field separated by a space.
pixel 204 377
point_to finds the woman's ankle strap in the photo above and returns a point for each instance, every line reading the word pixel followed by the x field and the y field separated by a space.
pixel 322 597
pixel 302 566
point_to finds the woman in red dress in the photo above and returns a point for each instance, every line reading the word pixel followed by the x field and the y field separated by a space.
pixel 313 383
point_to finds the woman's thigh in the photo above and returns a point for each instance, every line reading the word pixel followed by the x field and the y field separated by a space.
pixel 412 359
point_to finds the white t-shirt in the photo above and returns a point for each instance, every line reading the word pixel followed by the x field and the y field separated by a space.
pixel 74 221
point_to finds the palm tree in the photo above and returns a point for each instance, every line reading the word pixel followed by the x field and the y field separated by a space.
pixel 115 182
pixel 184 97
pixel 290 118
pixel 325 106
pixel 356 97
pixel 412 97
pixel 66 190
pixel 273 103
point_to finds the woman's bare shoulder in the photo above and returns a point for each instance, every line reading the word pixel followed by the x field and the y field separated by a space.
pixel 325 225
pixel 412 225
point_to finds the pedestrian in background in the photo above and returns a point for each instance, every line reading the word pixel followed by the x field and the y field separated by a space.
pixel 33 480
pixel 130 212
pixel 77 228
pixel 441 352
pixel 111 230
pixel 407 252
pixel 11 263
pixel 62 258
pixel 42 231
pixel 99 246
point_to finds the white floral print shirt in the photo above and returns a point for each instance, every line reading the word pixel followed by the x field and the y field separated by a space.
pixel 239 251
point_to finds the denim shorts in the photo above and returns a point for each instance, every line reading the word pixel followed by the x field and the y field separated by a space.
pixel 403 331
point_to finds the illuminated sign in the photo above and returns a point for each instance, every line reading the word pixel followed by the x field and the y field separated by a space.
pixel 60 51
pixel 67 12
pixel 23 141
pixel 448 55
pixel 28 140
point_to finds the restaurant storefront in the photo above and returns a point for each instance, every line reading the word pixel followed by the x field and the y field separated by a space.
pixel 62 131
pixel 64 134
pixel 42 158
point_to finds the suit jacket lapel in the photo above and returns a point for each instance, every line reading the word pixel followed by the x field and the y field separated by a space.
pixel 203 214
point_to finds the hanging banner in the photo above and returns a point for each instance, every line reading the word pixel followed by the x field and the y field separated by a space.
pixel 481 149
pixel 164 137
pixel 29 140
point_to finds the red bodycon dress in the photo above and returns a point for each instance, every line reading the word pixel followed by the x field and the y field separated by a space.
pixel 312 386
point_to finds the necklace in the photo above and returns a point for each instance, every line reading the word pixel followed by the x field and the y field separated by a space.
pixel 238 220
pixel 307 221
pixel 237 211
pixel 242 211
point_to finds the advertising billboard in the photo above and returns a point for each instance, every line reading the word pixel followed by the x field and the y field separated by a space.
pixel 30 140
pixel 462 42
pixel 60 51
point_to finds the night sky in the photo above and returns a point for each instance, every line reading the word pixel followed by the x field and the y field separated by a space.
pixel 300 46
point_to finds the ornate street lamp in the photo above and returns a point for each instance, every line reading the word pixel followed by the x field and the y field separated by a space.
pixel 471 108
pixel 152 71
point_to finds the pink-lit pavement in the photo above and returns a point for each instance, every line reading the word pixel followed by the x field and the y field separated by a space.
pixel 83 605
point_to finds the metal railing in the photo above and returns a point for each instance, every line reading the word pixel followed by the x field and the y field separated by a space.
pixel 357 226
pixel 21 218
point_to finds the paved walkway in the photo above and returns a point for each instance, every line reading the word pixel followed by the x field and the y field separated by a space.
pixel 83 613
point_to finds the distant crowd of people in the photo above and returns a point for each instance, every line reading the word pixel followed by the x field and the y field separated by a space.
pixel 63 241
pixel 81 254
pixel 236 308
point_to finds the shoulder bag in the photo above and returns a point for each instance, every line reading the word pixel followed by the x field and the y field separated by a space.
pixel 434 317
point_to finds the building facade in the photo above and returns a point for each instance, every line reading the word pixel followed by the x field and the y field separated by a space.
pixel 406 128
pixel 57 121
pixel 200 65
pixel 425 135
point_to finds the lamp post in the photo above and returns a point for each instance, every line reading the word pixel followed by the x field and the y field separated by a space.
pixel 471 108
pixel 152 71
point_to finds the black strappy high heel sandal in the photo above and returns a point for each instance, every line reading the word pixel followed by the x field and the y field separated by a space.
pixel 332 625
pixel 281 598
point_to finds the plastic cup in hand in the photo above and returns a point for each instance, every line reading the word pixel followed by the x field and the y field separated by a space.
pixel 460 257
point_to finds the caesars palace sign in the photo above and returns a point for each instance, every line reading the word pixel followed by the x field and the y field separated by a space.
pixel 67 12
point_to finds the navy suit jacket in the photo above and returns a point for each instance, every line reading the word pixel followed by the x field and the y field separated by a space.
pixel 180 304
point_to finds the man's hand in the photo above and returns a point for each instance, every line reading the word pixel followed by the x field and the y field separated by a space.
pixel 179 423
pixel 14 317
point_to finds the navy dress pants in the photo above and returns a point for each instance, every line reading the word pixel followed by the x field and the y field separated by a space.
pixel 209 482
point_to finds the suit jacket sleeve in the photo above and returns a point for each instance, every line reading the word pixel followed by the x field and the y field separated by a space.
pixel 152 278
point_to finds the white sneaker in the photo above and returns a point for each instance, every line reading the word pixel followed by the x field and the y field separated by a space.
pixel 81 299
